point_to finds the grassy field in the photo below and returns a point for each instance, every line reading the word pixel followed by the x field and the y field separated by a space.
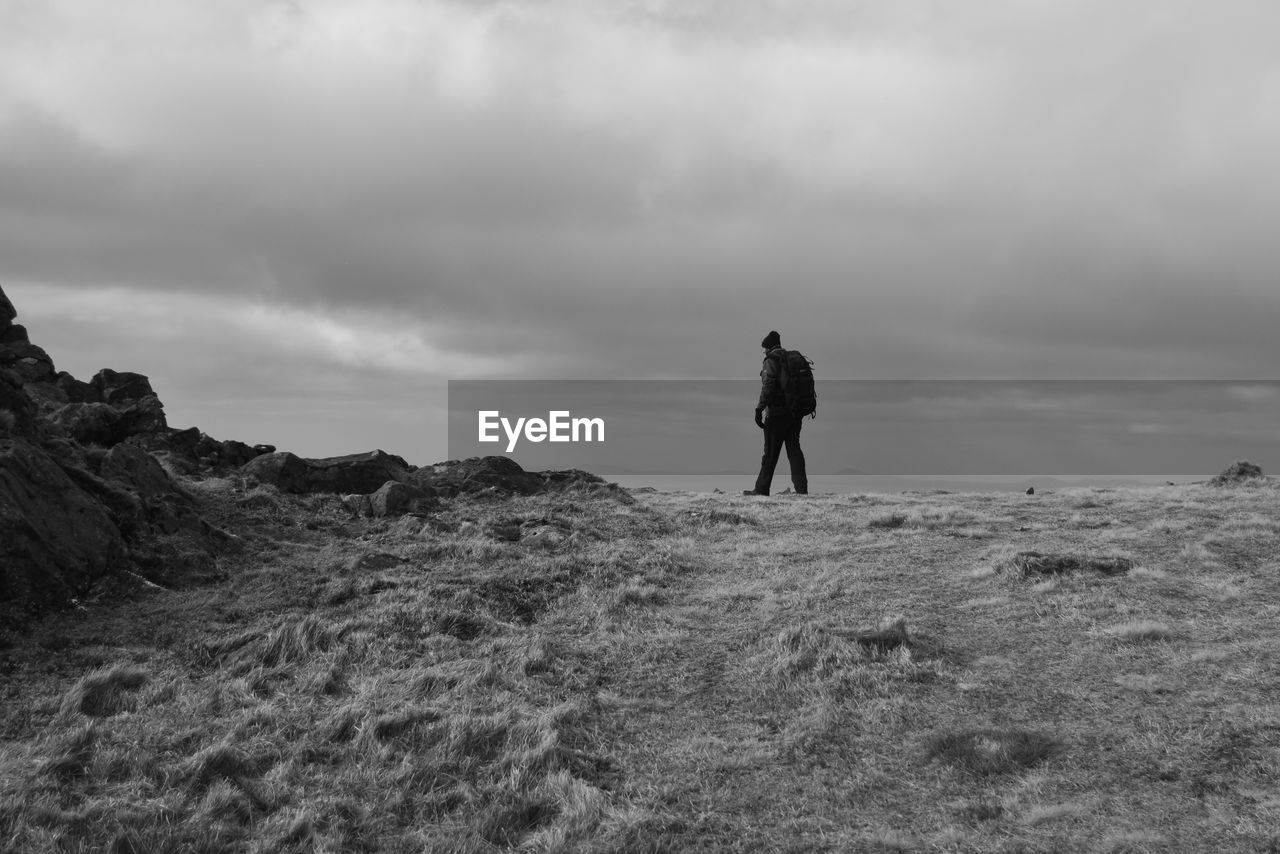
pixel 591 671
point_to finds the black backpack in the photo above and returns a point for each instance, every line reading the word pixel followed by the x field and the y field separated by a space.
pixel 795 379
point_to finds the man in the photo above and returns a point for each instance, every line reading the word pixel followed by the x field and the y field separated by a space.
pixel 779 425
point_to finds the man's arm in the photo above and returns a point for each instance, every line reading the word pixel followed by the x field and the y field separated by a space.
pixel 768 383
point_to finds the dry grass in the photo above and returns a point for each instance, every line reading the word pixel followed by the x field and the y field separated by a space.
pixel 683 672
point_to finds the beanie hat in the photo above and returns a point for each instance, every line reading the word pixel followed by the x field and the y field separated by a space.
pixel 773 339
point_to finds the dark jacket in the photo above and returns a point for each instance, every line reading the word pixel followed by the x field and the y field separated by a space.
pixel 771 397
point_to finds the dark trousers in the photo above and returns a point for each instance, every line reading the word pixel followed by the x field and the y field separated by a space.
pixel 780 430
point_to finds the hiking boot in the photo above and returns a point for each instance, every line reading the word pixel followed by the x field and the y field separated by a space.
pixel 754 492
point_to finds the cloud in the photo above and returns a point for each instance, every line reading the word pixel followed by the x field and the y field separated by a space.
pixel 566 188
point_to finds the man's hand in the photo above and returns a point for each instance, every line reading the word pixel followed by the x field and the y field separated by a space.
pixel 760 418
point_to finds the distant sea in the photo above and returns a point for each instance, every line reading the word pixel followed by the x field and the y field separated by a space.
pixel 858 483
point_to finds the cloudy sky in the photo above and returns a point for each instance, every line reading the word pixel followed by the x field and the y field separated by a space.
pixel 301 219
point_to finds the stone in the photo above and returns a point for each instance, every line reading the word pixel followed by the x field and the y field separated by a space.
pixel 121 386
pixel 15 334
pixel 395 499
pixel 55 539
pixel 7 311
pixel 497 476
pixel 89 423
pixel 282 469
pixel 1031 490
pixel 17 410
pixel 354 473
pixel 76 391
pixel 357 504
pixel 135 468
pixel 30 362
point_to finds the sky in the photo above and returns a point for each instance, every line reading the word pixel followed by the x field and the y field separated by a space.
pixel 302 219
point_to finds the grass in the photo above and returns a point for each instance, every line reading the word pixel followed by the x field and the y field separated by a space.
pixel 679 672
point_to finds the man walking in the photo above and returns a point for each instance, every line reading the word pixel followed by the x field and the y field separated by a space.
pixel 781 426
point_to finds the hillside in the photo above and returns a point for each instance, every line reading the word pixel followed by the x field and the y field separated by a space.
pixel 590 670
pixel 217 647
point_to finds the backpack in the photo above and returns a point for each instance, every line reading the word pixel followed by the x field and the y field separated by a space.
pixel 795 379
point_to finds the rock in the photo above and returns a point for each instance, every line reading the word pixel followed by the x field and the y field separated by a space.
pixel 283 470
pixel 354 473
pixel 499 477
pixel 76 501
pixel 105 424
pixel 124 507
pixel 89 423
pixel 1031 490
pixel 30 362
pixel 1238 472
pixel 55 538
pixel 357 505
pixel 191 451
pixel 17 410
pixel 130 465
pixel 7 312
pixel 74 390
pixel 394 499
pixel 116 387
pixel 476 474
pixel 15 334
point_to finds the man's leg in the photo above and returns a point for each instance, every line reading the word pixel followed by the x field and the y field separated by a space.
pixel 795 458
pixel 774 438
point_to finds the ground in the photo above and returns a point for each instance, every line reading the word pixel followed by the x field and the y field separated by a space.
pixel 592 671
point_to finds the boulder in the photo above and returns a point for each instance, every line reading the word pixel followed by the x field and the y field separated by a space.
pixel 394 499
pixel 501 476
pixel 74 390
pixel 285 471
pixel 359 473
pixel 17 409
pixel 477 475
pixel 7 312
pixel 191 451
pixel 88 423
pixel 55 539
pixel 356 472
pixel 133 467
pixel 117 387
pixel 15 333
pixel 357 505
pixel 30 362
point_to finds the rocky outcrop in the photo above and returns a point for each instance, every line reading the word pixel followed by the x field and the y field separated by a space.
pixel 193 452
pixel 500 477
pixel 80 496
pixel 55 538
pixel 354 473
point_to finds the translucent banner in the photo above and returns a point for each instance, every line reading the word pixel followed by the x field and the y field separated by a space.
pixel 874 427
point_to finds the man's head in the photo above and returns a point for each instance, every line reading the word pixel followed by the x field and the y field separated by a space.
pixel 773 339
